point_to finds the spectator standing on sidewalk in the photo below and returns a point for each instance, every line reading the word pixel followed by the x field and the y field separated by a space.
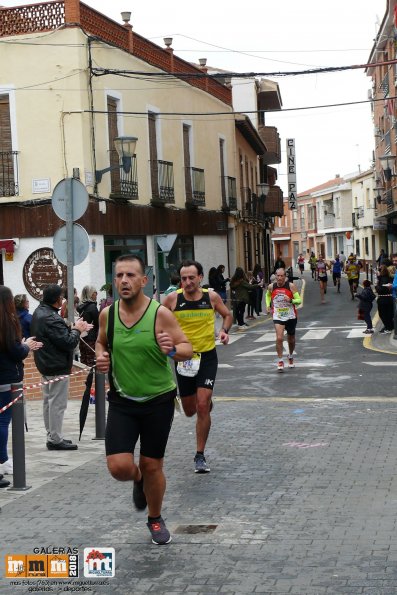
pixel 137 337
pixel 279 264
pixel 195 307
pixel 241 287
pixel 88 311
pixel 385 299
pixel 25 318
pixel 53 360
pixel 14 348
pixel 258 275
pixel 366 298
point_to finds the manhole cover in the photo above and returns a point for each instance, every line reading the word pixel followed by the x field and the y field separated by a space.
pixel 192 529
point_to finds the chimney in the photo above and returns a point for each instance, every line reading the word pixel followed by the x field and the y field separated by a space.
pixel 72 11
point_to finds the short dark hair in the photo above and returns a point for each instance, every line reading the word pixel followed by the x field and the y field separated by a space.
pixel 52 293
pixel 132 257
pixel 191 263
pixel 366 283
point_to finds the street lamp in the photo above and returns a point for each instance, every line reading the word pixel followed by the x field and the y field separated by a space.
pixel 262 190
pixel 125 147
pixel 387 162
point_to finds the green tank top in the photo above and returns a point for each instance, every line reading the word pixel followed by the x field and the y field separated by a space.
pixel 140 370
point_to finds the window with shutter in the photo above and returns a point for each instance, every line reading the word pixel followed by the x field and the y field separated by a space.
pixel 112 105
pixel 8 187
pixel 154 166
pixel 186 156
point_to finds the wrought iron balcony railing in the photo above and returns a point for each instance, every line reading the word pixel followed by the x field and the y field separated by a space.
pixel 194 187
pixel 9 185
pixel 230 201
pixel 162 176
pixel 125 185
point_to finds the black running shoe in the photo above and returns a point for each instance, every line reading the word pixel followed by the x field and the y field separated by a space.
pixel 138 495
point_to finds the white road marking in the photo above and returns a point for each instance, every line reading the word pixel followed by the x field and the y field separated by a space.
pixel 356 333
pixel 380 363
pixel 225 366
pixel 315 334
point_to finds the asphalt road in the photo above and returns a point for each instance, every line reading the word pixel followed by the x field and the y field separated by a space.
pixel 330 356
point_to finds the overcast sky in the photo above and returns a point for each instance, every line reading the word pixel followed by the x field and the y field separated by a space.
pixel 281 36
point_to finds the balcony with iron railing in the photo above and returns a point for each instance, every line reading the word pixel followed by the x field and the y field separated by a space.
pixel 124 185
pixel 271 138
pixel 329 221
pixel 9 185
pixel 273 206
pixel 384 85
pixel 230 196
pixel 246 203
pixel 194 187
pixel 162 177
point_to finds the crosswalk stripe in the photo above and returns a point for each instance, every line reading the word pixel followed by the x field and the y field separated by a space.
pixel 380 363
pixel 315 334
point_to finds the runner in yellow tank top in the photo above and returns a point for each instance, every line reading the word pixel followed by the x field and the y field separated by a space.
pixel 195 309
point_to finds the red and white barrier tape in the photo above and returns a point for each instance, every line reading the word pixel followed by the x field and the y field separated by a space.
pixel 27 387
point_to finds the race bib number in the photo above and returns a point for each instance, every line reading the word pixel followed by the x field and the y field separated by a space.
pixel 190 367
pixel 282 313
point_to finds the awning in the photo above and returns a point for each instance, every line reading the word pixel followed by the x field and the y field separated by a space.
pixel 7 245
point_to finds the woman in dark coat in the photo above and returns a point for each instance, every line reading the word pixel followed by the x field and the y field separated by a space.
pixel 13 350
pixel 25 318
pixel 88 310
pixel 385 299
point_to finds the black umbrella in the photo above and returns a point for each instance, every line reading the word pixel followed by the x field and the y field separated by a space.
pixel 85 401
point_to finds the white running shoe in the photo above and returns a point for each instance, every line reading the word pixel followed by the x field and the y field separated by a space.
pixel 291 362
pixel 6 468
pixel 280 366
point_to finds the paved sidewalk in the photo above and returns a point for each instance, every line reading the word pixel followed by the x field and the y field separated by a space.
pixel 301 499
pixel 381 342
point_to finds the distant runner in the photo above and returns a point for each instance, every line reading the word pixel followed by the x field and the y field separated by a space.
pixel 281 299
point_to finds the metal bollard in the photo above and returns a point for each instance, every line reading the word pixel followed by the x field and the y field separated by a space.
pixel 18 440
pixel 99 406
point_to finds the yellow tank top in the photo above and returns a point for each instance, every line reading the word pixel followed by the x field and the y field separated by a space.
pixel 197 320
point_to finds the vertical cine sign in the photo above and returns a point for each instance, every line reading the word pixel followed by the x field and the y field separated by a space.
pixel 291 160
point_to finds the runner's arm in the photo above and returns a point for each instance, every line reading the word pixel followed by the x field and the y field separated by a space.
pixel 227 318
pixel 170 338
pixel 268 299
pixel 296 298
pixel 101 345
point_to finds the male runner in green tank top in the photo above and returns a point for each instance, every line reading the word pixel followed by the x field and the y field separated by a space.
pixel 137 337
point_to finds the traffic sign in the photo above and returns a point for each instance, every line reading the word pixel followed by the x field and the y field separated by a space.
pixel 60 197
pixel 81 244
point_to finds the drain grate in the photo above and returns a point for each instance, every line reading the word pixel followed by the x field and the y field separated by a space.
pixel 193 529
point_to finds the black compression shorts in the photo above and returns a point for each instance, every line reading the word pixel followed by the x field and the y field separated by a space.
pixel 150 421
pixel 205 377
pixel 290 325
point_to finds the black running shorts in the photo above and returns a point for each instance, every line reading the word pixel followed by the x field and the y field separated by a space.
pixel 205 377
pixel 150 421
pixel 290 325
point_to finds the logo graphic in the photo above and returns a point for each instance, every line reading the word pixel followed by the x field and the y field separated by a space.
pixel 41 566
pixel 99 562
pixel 208 382
pixel 15 566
